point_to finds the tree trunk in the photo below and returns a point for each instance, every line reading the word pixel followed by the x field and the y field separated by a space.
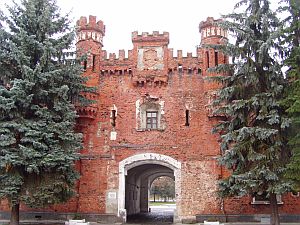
pixel 14 216
pixel 274 207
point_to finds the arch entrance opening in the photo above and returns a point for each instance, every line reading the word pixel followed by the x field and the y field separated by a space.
pixel 162 191
pixel 137 173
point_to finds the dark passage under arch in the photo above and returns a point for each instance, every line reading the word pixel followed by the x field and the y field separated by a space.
pixel 137 191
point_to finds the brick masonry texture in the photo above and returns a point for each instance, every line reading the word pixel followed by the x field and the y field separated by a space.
pixel 179 84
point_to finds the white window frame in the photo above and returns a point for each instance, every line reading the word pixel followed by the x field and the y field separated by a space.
pixel 152 105
pixel 266 202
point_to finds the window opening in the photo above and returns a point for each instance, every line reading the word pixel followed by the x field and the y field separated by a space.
pixel 190 71
pixel 179 68
pixel 207 59
pixel 261 198
pixel 84 64
pixel 113 117
pixel 216 58
pixel 187 118
pixel 151 120
pixel 94 61
pixel 199 71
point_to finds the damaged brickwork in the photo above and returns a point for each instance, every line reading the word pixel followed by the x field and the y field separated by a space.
pixel 152 115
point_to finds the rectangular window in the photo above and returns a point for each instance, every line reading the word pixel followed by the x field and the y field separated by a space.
pixel 151 120
pixel 180 68
pixel 262 199
pixel 199 71
pixel 207 59
pixel 113 117
pixel 216 59
pixel 94 62
pixel 187 118
pixel 84 64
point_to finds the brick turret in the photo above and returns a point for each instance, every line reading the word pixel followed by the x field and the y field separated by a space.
pixel 90 30
pixel 214 35
pixel 90 42
pixel 211 34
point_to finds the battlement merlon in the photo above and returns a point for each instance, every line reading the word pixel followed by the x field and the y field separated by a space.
pixel 154 37
pixel 90 29
pixel 84 24
pixel 209 29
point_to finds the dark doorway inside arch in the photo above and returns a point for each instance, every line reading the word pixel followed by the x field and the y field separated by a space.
pixel 139 203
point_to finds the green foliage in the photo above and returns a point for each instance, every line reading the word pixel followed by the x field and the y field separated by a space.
pixel 290 36
pixel 254 142
pixel 38 145
pixel 164 187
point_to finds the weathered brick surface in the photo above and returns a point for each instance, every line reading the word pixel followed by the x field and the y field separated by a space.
pixel 180 84
pixel 199 188
pixel 290 205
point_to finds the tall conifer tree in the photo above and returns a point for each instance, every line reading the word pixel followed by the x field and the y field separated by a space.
pixel 254 143
pixel 291 39
pixel 38 145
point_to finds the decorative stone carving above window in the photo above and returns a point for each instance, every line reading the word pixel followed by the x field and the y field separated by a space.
pixel 150 58
pixel 150 113
pixel 150 69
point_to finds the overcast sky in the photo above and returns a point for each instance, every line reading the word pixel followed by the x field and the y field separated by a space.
pixel 121 17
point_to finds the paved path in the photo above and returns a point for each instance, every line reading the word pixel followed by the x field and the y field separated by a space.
pixel 158 215
pixel 49 222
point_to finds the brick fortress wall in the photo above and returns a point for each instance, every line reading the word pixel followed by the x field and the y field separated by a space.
pixel 113 128
pixel 151 72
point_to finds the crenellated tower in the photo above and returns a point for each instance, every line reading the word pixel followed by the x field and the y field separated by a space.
pixel 211 34
pixel 90 39
pixel 89 45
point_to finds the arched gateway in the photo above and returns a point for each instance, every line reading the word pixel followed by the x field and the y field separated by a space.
pixel 136 173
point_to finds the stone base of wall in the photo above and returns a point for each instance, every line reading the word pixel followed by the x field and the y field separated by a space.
pixel 111 218
pixel 246 218
pixel 42 216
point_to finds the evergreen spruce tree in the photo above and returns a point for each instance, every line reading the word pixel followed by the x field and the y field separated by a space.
pixel 254 143
pixel 38 145
pixel 291 38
